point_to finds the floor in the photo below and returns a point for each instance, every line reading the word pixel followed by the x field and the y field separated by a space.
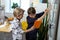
pixel 5 36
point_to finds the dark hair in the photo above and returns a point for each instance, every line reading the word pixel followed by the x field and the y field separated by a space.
pixel 31 10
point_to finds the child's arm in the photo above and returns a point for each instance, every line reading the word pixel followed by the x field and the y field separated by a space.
pixel 45 12
pixel 32 28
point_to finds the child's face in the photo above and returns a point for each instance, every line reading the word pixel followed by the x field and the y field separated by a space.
pixel 32 15
pixel 20 15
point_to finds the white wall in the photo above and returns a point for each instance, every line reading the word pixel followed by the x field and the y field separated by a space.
pixel 40 7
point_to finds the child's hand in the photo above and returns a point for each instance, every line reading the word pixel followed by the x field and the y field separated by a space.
pixel 32 28
pixel 48 9
pixel 26 31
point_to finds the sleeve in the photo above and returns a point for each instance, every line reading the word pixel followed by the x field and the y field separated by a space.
pixel 21 31
pixel 39 14
pixel 11 27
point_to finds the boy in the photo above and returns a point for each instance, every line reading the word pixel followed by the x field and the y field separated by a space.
pixel 16 24
pixel 31 18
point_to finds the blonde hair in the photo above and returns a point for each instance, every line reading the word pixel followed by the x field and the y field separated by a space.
pixel 17 11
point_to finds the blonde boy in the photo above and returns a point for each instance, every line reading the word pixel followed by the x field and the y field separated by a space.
pixel 16 24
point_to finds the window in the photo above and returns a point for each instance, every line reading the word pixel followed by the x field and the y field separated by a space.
pixel 7 6
pixel 24 4
pixel 40 1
